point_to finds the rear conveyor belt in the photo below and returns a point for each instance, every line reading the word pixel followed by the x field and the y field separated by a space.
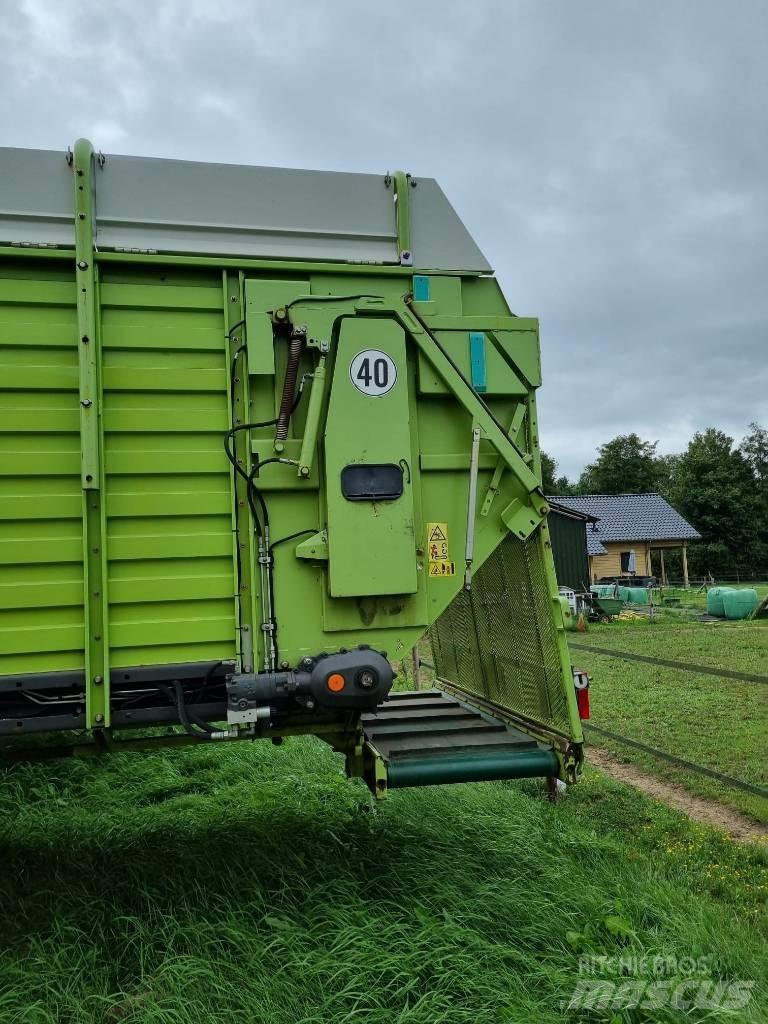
pixel 427 737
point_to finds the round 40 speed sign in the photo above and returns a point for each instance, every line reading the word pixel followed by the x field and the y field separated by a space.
pixel 373 372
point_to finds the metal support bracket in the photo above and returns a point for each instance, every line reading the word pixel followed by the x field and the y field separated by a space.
pixel 469 551
pixel 314 548
pixel 493 486
pixel 402 185
pixel 244 556
pixel 97 704
pixel 375 771
pixel 309 443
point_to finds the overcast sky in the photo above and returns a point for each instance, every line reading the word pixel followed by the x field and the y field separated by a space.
pixel 609 156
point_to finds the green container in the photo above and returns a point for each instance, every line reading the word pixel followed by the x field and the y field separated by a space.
pixel 623 593
pixel 715 600
pixel 604 589
pixel 739 604
pixel 610 605
pixel 636 595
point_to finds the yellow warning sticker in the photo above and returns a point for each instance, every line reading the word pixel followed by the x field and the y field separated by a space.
pixel 437 531
pixel 437 542
pixel 442 568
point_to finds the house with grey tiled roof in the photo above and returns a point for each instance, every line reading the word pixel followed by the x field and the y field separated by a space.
pixel 626 528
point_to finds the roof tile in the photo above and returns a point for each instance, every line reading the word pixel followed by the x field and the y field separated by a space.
pixel 629 517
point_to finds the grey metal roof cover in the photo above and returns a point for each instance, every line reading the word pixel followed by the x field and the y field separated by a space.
pixel 36 203
pixel 181 206
pixel 631 517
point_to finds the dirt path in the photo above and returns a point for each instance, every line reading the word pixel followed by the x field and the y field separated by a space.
pixel 709 812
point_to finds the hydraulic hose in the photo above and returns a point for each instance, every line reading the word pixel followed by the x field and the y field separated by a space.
pixel 289 387
pixel 188 721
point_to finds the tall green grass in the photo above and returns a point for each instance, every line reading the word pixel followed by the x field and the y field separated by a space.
pixel 246 883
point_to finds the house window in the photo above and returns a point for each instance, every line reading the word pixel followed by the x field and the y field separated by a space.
pixel 628 561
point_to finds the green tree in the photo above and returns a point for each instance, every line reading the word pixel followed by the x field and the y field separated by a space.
pixel 666 476
pixel 754 448
pixel 548 473
pixel 625 465
pixel 714 489
pixel 551 482
pixel 563 486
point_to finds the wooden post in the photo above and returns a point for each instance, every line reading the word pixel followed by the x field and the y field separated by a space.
pixel 685 565
pixel 663 569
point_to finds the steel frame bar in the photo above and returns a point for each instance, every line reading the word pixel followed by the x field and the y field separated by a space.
pixel 238 403
pixel 97 705
pixel 340 739
pixel 402 185
pixel 545 547
pixel 493 486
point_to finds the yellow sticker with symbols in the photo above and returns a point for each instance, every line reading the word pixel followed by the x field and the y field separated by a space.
pixel 442 568
pixel 437 542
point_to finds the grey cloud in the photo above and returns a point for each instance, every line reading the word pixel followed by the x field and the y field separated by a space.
pixel 610 158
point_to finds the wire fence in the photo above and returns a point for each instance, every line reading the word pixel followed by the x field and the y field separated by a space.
pixel 736 577
pixel 685 666
pixel 655 752
pixel 691 766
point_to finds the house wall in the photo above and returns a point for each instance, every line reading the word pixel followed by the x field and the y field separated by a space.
pixel 609 564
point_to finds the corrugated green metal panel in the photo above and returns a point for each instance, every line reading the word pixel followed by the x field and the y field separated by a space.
pixel 169 537
pixel 168 503
pixel 41 547
pixel 569 548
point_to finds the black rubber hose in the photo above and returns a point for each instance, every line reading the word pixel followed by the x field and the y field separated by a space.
pixel 289 387
pixel 203 732
pixel 207 679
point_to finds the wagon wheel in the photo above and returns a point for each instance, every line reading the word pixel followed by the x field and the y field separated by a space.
pixel 604 618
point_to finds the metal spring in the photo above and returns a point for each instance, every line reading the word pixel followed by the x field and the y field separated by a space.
pixel 289 387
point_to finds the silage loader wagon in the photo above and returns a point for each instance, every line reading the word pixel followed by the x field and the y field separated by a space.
pixel 261 430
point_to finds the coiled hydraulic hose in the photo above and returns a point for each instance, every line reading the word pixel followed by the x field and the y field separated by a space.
pixel 289 387
pixel 193 725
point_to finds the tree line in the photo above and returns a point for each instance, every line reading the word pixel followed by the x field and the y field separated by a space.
pixel 717 485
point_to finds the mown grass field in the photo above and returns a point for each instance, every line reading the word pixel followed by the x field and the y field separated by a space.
pixel 737 646
pixel 719 723
pixel 247 883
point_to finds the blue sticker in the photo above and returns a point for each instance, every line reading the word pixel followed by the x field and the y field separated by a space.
pixel 477 361
pixel 420 288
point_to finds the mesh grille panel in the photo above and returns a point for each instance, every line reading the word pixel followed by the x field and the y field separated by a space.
pixel 499 641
